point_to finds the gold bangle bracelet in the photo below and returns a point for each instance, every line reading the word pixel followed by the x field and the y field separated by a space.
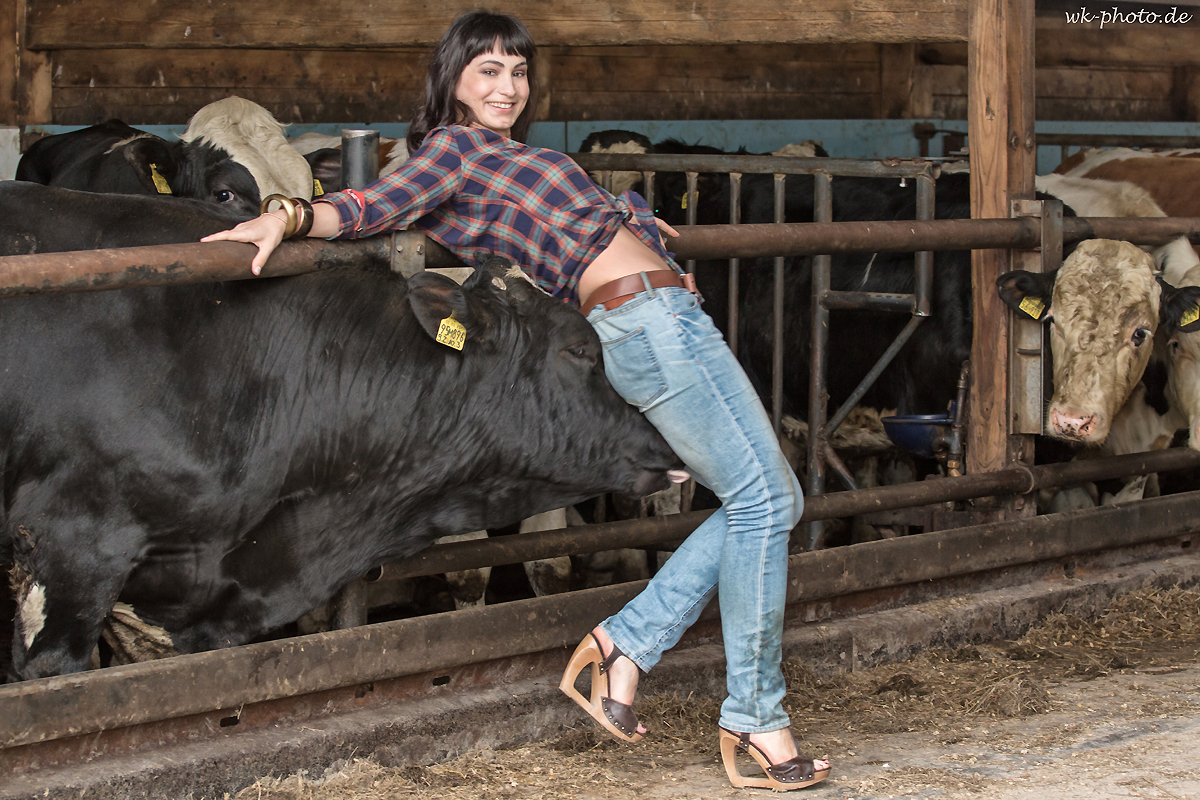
pixel 289 208
pixel 306 217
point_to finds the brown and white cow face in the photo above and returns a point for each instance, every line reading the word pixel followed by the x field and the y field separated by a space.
pixel 1103 312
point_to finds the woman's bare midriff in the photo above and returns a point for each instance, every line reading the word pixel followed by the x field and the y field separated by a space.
pixel 625 255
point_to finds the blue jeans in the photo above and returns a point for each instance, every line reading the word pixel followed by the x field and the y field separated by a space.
pixel 663 354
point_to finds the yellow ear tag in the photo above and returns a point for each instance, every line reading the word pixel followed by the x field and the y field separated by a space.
pixel 160 182
pixel 452 333
pixel 1033 306
pixel 1189 316
pixel 317 189
pixel 683 203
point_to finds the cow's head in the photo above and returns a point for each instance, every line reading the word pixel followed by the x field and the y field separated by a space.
pixel 236 154
pixel 1103 310
pixel 537 376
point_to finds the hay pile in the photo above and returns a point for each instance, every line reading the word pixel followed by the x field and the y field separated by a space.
pixel 943 694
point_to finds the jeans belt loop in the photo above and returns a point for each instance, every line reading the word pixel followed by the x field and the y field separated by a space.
pixel 645 276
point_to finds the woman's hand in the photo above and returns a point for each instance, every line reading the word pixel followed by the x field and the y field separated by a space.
pixel 663 227
pixel 265 232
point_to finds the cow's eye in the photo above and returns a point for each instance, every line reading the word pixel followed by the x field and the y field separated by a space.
pixel 1174 346
pixel 225 196
pixel 1140 336
pixel 580 352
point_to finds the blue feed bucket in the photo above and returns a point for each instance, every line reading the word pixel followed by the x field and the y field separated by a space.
pixel 918 434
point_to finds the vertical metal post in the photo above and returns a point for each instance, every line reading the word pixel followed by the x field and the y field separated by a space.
pixel 923 261
pixel 360 157
pixel 690 200
pixel 735 217
pixel 777 319
pixel 818 356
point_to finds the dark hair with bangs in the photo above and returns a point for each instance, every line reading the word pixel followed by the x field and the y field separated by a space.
pixel 471 35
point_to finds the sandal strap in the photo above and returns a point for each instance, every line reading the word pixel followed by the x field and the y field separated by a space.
pixel 610 659
pixel 620 715
pixel 794 770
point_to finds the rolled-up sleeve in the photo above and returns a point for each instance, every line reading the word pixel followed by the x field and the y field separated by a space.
pixel 427 179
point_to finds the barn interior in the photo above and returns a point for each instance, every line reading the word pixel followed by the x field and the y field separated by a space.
pixel 1019 81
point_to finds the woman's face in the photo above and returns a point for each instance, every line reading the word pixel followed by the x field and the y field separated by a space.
pixel 495 87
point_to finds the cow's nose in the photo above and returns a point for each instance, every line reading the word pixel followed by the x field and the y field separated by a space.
pixel 1072 425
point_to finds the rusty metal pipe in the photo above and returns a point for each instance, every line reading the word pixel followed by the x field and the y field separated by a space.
pixel 167 264
pixel 757 165
pixel 866 301
pixel 54 708
pixel 670 530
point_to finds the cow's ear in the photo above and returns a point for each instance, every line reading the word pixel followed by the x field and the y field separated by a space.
pixel 1027 293
pixel 154 162
pixel 1179 309
pixel 447 313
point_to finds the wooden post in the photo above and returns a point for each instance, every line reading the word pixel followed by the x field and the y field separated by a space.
pixel 9 62
pixel 1000 121
pixel 25 76
pixel 987 132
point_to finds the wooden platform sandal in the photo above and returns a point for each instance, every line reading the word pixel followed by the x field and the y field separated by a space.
pixel 795 773
pixel 616 717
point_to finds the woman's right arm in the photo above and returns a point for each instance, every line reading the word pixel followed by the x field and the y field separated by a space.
pixel 427 179
pixel 266 231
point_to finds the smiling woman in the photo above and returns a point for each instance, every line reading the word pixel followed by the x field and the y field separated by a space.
pixel 472 186
pixel 495 89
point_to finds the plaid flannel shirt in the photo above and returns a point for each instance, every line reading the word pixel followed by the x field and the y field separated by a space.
pixel 477 193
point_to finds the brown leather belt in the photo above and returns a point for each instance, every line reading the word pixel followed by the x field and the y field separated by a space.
pixel 616 293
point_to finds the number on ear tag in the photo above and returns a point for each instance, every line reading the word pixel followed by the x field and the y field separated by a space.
pixel 1189 316
pixel 160 183
pixel 318 190
pixel 1033 306
pixel 452 333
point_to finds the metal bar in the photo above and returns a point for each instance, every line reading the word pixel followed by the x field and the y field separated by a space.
pixel 777 312
pixel 671 529
pixel 71 705
pixel 835 463
pixel 691 201
pixel 360 157
pixel 117 268
pixel 869 379
pixel 818 359
pixel 880 301
pixel 758 240
pixel 734 285
pixel 758 165
pixel 923 260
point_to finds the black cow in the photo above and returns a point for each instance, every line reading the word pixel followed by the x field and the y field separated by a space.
pixel 47 219
pixel 223 457
pixel 114 157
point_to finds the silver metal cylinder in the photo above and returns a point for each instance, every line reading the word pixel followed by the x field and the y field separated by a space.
pixel 360 157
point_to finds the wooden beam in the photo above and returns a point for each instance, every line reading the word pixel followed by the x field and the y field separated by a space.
pixel 897 80
pixel 987 131
pixel 103 24
pixel 1061 45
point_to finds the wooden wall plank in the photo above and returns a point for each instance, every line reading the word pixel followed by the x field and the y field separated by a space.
pixel 10 60
pixel 173 24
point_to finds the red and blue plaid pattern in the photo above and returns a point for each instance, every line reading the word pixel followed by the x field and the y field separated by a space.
pixel 477 193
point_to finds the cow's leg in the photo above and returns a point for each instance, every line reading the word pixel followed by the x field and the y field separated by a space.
pixel 65 580
pixel 468 587
pixel 548 575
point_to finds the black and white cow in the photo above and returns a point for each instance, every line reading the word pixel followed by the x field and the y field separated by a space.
pixel 232 154
pixel 221 458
